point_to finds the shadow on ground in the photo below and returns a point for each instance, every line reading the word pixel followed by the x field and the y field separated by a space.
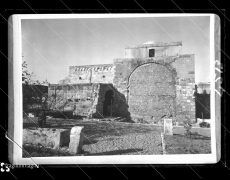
pixel 99 129
pixel 194 136
pixel 183 144
pixel 116 152
pixel 89 141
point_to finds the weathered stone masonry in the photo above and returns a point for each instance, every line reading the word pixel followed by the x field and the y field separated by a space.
pixel 89 74
pixel 152 81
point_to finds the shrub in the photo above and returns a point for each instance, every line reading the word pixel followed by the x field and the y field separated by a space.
pixel 141 120
pixel 187 126
pixel 205 124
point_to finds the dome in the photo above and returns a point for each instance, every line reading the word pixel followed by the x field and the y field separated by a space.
pixel 149 42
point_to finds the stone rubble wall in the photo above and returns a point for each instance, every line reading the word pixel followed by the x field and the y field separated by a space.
pixel 151 92
pixel 88 99
pixel 185 68
pixel 83 98
pixel 182 68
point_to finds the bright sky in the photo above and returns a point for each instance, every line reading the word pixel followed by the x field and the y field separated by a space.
pixel 52 45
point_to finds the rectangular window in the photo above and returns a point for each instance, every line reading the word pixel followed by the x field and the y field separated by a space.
pixel 151 52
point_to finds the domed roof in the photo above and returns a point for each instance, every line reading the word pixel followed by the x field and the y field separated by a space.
pixel 149 42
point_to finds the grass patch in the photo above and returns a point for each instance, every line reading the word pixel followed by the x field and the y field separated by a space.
pixel 198 143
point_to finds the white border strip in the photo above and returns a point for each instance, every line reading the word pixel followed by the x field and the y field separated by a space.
pixel 212 77
pixel 73 16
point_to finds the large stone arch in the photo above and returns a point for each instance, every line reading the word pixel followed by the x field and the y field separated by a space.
pixel 152 92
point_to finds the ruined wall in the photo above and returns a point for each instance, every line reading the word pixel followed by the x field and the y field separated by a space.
pixel 180 85
pixel 185 67
pixel 82 98
pixel 161 49
pixel 88 99
pixel 89 74
pixel 152 92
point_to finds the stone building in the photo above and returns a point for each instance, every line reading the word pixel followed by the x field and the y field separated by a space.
pixel 151 82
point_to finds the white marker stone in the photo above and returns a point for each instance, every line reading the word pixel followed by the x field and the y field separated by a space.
pixel 76 139
pixel 168 127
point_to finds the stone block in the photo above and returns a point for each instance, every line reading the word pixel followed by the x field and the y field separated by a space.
pixel 168 127
pixel 76 139
pixel 48 137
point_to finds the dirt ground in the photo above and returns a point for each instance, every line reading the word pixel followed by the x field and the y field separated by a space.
pixel 198 143
pixel 121 138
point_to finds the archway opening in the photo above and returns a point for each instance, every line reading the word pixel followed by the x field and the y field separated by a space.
pixel 108 103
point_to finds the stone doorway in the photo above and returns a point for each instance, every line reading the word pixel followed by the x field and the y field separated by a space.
pixel 108 103
pixel 152 92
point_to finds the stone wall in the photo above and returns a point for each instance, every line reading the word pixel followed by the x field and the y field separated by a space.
pixel 151 92
pixel 82 98
pixel 89 74
pixel 88 99
pixel 166 77
pixel 185 68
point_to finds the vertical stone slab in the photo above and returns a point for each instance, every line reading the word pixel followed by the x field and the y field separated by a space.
pixel 76 139
pixel 168 127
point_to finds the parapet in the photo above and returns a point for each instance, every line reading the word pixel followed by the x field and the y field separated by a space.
pixel 98 67
pixel 157 49
pixel 156 44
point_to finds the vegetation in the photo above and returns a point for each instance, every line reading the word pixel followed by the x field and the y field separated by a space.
pixel 204 124
pixel 39 101
pixel 198 143
pixel 187 126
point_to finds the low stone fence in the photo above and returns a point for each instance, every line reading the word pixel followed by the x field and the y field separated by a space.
pixel 55 138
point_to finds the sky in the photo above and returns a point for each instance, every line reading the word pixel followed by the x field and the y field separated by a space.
pixel 50 46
